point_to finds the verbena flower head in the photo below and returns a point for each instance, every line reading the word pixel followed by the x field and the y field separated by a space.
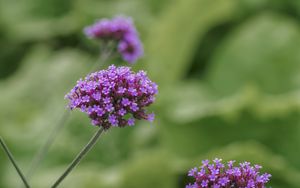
pixel 114 97
pixel 215 174
pixel 120 30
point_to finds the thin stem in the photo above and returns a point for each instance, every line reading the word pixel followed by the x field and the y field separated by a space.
pixel 79 157
pixel 104 57
pixel 40 155
pixel 12 160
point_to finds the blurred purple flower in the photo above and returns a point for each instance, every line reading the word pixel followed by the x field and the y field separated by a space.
pixel 217 175
pixel 98 95
pixel 131 48
pixel 121 30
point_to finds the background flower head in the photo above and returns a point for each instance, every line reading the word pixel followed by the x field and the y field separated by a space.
pixel 114 97
pixel 215 174
pixel 120 30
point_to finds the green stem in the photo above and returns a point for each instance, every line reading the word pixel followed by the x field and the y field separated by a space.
pixel 12 160
pixel 79 157
pixel 106 54
pixel 40 155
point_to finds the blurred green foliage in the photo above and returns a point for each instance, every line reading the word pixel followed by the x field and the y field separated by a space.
pixel 228 75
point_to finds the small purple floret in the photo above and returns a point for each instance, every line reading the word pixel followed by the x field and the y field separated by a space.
pixel 131 121
pixel 99 96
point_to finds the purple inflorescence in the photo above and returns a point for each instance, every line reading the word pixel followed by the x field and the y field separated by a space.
pixel 122 31
pixel 218 175
pixel 114 97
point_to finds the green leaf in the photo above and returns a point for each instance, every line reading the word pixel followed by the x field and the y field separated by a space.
pixel 263 52
pixel 173 38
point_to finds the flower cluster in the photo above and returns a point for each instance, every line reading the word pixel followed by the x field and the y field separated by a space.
pixel 122 31
pixel 114 97
pixel 218 175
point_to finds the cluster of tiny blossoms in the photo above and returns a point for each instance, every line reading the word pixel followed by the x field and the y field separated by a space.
pixel 122 31
pixel 218 175
pixel 114 97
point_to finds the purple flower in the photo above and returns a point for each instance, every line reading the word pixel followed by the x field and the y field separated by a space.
pixel 109 107
pixel 204 183
pixel 130 122
pixel 201 172
pixel 100 112
pixel 192 171
pixel 132 91
pixel 215 171
pixel 113 120
pixel 125 102
pixel 130 48
pixel 122 31
pixel 121 90
pixel 205 162
pixel 223 181
pixel 230 163
pixel 151 117
pixel 106 100
pixel 251 184
pixel 96 96
pixel 134 107
pixel 122 112
pixel 191 186
pixel 95 122
pixel 212 177
pixel 114 108
pixel 218 175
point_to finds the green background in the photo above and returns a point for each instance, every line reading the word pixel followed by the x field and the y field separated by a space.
pixel 229 87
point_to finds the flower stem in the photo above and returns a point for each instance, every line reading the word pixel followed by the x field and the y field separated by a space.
pixel 41 153
pixel 79 157
pixel 12 160
pixel 106 54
